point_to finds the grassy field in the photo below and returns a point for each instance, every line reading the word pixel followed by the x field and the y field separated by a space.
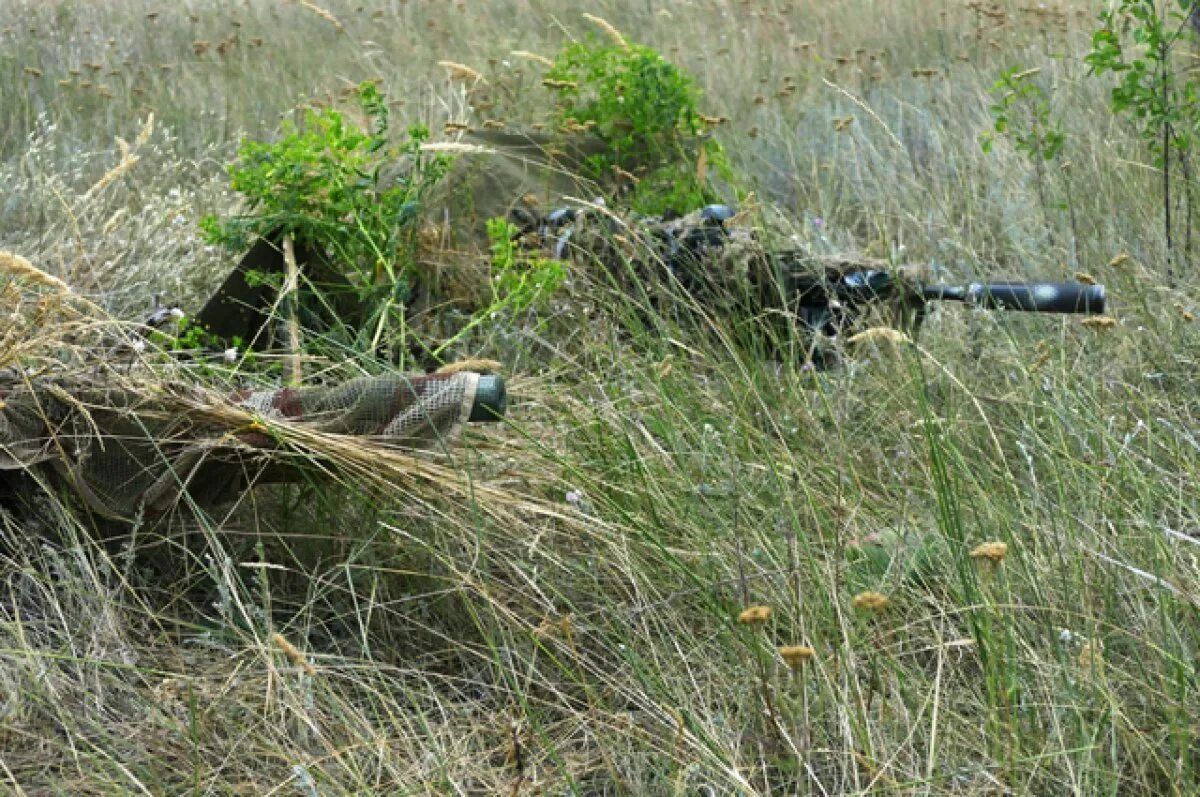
pixel 564 617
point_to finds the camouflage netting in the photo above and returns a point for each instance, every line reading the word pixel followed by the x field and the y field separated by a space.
pixel 141 446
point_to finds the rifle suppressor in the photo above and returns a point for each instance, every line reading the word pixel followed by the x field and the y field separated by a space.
pixel 491 399
pixel 1037 297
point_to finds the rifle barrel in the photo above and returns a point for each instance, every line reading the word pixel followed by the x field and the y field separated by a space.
pixel 1036 297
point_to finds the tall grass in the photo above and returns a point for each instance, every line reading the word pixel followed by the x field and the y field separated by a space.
pixel 566 618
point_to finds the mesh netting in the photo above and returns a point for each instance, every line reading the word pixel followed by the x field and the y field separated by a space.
pixel 133 448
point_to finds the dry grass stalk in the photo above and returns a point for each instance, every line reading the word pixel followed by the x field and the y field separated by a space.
pixel 477 365
pixel 528 56
pixel 129 158
pixel 324 14
pixel 291 290
pixel 888 335
pixel 455 147
pixel 294 654
pixel 608 28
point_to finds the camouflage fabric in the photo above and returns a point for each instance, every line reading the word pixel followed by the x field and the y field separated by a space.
pixel 136 448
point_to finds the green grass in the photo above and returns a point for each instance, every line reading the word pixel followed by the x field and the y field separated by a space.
pixel 516 642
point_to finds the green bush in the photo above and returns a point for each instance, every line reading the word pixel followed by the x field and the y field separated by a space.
pixel 646 111
pixel 323 185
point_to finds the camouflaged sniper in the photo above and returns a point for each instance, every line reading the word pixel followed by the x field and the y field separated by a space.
pixel 720 261
pixel 139 447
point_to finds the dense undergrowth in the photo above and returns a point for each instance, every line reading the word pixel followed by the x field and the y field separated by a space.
pixel 563 610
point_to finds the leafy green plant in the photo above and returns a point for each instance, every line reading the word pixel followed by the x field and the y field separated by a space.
pixel 1022 116
pixel 323 183
pixel 519 283
pixel 1150 88
pixel 646 111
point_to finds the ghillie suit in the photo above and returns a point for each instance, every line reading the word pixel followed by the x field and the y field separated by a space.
pixel 137 430
pixel 131 446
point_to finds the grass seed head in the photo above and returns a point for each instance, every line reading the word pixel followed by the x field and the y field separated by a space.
pixel 323 13
pixel 21 268
pixel 528 56
pixel 294 654
pixel 887 335
pixel 608 28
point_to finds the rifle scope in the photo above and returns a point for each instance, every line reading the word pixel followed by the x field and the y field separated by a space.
pixel 1037 297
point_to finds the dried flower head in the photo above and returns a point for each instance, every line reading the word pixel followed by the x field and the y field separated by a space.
pixel 1100 322
pixel 990 551
pixel 462 72
pixel 796 655
pixel 871 601
pixel 1118 261
pixel 755 615
pixel 1085 278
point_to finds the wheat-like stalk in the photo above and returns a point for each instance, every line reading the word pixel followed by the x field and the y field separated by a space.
pixel 293 653
pixel 324 14
pixel 608 28
pixel 879 335
pixel 129 158
pixel 22 269
pixel 528 56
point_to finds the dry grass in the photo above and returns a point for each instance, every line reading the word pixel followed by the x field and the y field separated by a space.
pixel 553 607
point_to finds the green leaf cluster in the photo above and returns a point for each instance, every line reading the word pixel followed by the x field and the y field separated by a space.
pixel 646 111
pixel 333 184
pixel 1021 114
pixel 1148 86
pixel 519 282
